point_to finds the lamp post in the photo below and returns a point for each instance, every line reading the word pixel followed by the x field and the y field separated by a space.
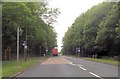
pixel 17 45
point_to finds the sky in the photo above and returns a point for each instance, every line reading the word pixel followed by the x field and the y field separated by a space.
pixel 70 10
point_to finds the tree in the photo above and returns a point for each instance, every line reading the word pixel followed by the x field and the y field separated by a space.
pixel 93 31
pixel 12 17
pixel 107 33
pixel 27 16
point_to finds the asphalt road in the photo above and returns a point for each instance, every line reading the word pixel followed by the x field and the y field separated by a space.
pixel 71 67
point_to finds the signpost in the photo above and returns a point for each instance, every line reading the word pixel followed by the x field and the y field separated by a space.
pixel 25 49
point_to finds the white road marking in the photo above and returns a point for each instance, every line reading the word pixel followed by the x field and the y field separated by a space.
pixel 71 63
pixel 95 75
pixel 82 68
pixel 79 65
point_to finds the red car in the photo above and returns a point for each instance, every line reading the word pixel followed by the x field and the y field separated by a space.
pixel 55 52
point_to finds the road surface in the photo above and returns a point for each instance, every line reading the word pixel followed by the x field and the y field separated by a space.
pixel 71 67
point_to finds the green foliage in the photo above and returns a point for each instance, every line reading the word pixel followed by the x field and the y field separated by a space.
pixel 28 17
pixel 118 29
pixel 93 31
pixel 107 30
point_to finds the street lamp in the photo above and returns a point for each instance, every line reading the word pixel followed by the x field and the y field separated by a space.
pixel 17 45
pixel 19 31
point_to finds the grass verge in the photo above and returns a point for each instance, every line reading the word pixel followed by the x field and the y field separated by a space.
pixel 107 61
pixel 0 69
pixel 10 68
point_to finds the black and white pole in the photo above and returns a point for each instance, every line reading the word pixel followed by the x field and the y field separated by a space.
pixel 17 45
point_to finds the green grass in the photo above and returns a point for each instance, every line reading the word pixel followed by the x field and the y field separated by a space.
pixel 107 61
pixel 0 69
pixel 10 68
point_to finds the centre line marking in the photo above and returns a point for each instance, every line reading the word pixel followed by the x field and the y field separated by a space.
pixel 82 68
pixel 78 65
pixel 71 63
pixel 95 75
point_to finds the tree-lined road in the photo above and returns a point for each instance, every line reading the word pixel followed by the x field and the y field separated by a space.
pixel 94 33
pixel 71 67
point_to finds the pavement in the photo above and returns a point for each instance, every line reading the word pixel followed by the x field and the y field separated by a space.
pixel 72 67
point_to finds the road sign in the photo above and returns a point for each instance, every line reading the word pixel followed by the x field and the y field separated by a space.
pixel 25 47
pixel 24 43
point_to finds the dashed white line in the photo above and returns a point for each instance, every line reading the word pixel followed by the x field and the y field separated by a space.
pixel 75 64
pixel 95 75
pixel 70 63
pixel 82 68
pixel 79 65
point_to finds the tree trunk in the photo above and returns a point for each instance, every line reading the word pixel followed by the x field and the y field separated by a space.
pixel 8 53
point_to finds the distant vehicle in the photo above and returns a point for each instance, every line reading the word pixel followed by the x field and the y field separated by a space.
pixel 55 51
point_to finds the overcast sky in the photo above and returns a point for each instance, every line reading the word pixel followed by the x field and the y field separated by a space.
pixel 70 10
